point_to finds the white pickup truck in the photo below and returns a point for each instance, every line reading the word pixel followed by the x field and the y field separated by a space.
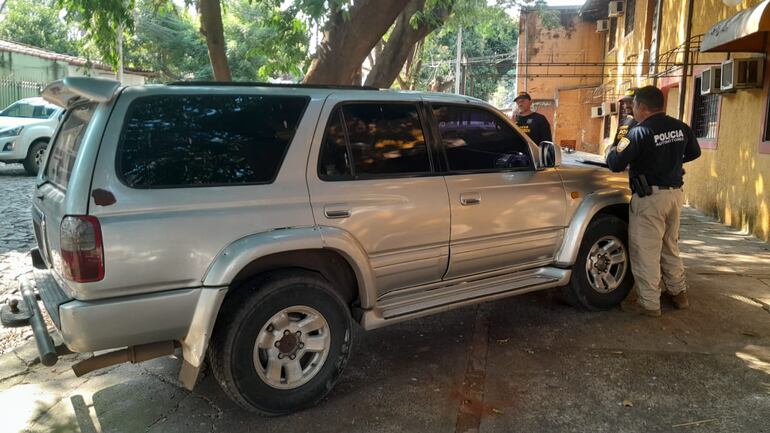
pixel 26 126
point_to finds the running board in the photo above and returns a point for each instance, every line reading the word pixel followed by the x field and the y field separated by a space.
pixel 394 308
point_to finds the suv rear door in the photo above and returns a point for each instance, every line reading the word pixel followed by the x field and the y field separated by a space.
pixel 505 213
pixel 371 175
pixel 63 185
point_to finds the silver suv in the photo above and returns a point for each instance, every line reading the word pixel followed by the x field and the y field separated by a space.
pixel 252 225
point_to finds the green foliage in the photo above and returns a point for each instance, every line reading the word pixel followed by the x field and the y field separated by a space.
pixel 101 20
pixel 264 41
pixel 166 40
pixel 490 32
pixel 37 23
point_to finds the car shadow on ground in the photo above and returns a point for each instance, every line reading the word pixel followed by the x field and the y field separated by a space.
pixel 546 368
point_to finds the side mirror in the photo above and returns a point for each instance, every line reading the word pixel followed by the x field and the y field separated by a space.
pixel 550 154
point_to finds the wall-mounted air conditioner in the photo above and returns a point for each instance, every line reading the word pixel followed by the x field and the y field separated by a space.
pixel 617 8
pixel 742 74
pixel 609 108
pixel 596 112
pixel 603 26
pixel 711 81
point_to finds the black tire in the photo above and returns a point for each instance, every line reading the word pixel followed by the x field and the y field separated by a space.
pixel 31 164
pixel 579 292
pixel 244 316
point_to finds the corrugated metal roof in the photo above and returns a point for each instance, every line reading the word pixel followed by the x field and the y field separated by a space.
pixel 29 50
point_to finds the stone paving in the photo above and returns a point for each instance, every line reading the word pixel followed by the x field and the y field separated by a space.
pixel 16 238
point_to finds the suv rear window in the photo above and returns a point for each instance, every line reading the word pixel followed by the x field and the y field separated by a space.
pixel 65 147
pixel 206 140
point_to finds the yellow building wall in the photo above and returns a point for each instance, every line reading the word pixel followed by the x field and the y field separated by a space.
pixel 555 96
pixel 731 181
pixel 626 63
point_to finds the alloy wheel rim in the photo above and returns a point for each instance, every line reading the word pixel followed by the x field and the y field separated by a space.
pixel 606 264
pixel 291 347
pixel 39 156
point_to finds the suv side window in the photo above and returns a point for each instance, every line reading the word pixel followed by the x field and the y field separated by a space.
pixel 368 140
pixel 477 140
pixel 206 140
pixel 66 145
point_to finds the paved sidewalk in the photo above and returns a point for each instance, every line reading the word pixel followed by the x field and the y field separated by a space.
pixel 16 238
pixel 524 364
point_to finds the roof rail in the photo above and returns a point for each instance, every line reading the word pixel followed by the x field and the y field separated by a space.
pixel 256 84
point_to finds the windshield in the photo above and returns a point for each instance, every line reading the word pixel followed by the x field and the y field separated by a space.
pixel 29 110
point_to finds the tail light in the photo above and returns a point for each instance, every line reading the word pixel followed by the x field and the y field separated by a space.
pixel 82 250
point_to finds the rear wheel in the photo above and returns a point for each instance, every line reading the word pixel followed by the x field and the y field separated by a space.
pixel 601 277
pixel 282 345
pixel 35 157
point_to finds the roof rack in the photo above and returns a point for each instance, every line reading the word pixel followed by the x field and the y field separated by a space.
pixel 254 84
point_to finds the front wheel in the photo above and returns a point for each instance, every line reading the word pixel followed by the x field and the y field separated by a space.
pixel 601 277
pixel 35 157
pixel 284 346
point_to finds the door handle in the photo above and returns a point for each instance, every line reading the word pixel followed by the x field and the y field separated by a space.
pixel 470 198
pixel 332 213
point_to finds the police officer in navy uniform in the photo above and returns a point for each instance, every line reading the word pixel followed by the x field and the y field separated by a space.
pixel 529 122
pixel 655 150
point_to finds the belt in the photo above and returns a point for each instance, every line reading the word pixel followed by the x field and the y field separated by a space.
pixel 667 187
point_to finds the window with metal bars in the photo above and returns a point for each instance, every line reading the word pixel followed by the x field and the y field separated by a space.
pixel 607 126
pixel 613 34
pixel 767 121
pixel 705 111
pixel 630 14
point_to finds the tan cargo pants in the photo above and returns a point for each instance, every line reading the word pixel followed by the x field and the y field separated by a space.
pixel 653 236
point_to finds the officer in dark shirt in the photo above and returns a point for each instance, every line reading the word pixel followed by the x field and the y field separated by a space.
pixel 533 124
pixel 655 150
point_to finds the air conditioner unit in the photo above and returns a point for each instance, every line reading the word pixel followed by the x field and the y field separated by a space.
pixel 609 108
pixel 596 112
pixel 603 26
pixel 711 81
pixel 617 8
pixel 742 74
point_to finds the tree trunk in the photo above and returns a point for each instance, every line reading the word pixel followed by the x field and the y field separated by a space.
pixel 347 42
pixel 211 29
pixel 402 42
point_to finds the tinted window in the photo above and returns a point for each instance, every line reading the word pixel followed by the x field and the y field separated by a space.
pixel 29 110
pixel 335 157
pixel 67 143
pixel 196 140
pixel 381 140
pixel 476 139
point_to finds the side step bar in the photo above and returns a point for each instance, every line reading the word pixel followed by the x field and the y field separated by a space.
pixel 395 308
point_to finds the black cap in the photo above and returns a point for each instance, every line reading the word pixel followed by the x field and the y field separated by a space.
pixel 522 95
pixel 629 94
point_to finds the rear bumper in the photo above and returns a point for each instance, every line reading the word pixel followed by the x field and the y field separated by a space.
pixel 87 326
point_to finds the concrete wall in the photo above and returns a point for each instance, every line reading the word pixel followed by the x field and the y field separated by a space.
pixel 575 41
pixel 23 67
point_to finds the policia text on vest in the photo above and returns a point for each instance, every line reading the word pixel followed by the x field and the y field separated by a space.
pixel 656 148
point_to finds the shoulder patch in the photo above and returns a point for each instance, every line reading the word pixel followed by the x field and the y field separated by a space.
pixel 623 143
